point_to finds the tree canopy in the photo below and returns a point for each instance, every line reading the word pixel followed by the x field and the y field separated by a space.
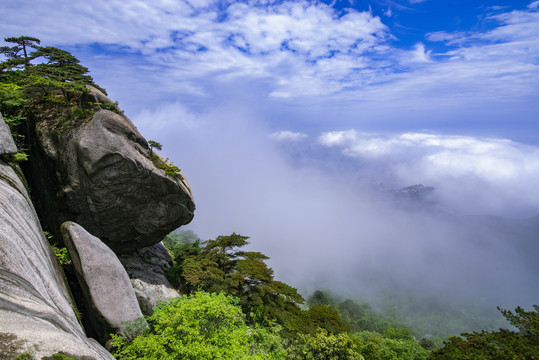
pixel 35 79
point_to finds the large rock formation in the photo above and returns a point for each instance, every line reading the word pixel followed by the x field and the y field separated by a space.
pixel 110 299
pixel 36 312
pixel 98 172
pixel 103 176
pixel 7 145
pixel 146 268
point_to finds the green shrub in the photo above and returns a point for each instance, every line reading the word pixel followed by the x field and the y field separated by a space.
pixel 62 255
pixel 200 326
pixel 324 346
pixel 25 356
pixel 374 346
pixel 169 168
pixel 15 158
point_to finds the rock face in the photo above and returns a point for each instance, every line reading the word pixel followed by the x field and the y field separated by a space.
pixel 100 175
pixel 146 268
pixel 36 313
pixel 108 292
pixel 7 145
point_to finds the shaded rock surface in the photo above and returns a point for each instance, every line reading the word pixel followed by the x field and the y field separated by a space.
pixel 108 292
pixel 36 312
pixel 100 175
pixel 7 145
pixel 146 268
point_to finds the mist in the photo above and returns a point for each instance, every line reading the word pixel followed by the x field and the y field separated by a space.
pixel 323 206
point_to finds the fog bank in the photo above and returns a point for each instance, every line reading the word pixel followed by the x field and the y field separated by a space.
pixel 323 206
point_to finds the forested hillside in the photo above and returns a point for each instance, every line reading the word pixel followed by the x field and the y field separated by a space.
pixel 262 318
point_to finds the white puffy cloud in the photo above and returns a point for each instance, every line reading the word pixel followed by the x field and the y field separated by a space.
pixel 472 175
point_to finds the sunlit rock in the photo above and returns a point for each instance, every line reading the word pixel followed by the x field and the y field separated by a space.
pixel 108 294
pixel 7 145
pixel 36 313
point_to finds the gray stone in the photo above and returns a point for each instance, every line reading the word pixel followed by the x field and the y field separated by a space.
pixel 97 96
pixel 7 145
pixel 100 175
pixel 149 295
pixel 36 312
pixel 109 297
pixel 146 267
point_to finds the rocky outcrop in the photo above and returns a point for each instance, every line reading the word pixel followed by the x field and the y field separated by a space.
pixel 146 268
pixel 97 97
pixel 7 145
pixel 36 313
pixel 110 300
pixel 100 175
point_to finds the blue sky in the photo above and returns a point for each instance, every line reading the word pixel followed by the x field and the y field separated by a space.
pixel 281 113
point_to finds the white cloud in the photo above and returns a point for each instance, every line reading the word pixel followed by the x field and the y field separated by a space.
pixel 288 136
pixel 500 174
pixel 301 49
pixel 420 54
pixel 534 5
pixel 338 138
pixel 345 234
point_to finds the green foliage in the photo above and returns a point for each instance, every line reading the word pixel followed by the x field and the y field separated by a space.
pixel 134 328
pixel 25 356
pixel 431 344
pixel 221 265
pixel 14 158
pixel 12 102
pixel 15 59
pixel 62 255
pixel 36 79
pixel 374 346
pixel 325 317
pixel 166 165
pixel 175 242
pixel 497 345
pixel 320 297
pixel 58 356
pixel 527 322
pixel 154 144
pixel 357 314
pixel 438 317
pixel 200 326
pixel 361 316
pixel 114 107
pixel 324 346
pixel 402 333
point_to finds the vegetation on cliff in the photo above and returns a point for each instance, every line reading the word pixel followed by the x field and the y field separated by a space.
pixel 40 81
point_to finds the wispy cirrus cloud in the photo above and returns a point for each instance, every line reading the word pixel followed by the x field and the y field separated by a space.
pixel 286 135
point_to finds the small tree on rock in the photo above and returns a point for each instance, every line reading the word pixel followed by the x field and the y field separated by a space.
pixel 154 145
